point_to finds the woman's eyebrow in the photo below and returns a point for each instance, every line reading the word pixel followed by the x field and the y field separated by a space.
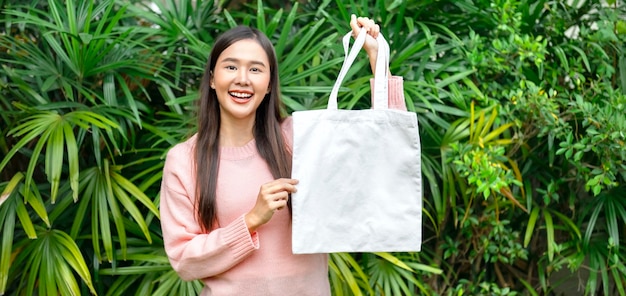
pixel 235 60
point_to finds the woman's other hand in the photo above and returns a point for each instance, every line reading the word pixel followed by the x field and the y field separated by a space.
pixel 272 196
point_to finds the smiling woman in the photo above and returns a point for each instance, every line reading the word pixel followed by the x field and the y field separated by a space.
pixel 225 210
pixel 213 224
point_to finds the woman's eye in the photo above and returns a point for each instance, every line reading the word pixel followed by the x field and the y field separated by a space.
pixel 231 68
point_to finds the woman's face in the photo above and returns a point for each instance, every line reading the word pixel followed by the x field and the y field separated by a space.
pixel 241 79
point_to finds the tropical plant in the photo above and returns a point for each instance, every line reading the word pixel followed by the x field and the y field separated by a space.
pixel 521 112
pixel 560 83
pixel 75 94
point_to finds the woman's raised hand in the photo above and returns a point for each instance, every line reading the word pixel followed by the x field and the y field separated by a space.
pixel 371 45
pixel 363 23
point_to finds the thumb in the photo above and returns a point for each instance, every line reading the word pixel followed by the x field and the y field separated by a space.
pixel 354 25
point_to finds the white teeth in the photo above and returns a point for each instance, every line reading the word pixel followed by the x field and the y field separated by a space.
pixel 241 95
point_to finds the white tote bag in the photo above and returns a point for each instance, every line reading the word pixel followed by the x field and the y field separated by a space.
pixel 360 186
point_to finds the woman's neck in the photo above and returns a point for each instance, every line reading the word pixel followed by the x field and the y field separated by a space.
pixel 236 134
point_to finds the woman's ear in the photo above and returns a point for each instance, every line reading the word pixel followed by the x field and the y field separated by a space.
pixel 211 80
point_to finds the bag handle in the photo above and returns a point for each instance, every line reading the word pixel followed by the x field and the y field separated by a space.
pixel 380 94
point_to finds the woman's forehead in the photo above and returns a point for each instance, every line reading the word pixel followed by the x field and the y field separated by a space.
pixel 244 50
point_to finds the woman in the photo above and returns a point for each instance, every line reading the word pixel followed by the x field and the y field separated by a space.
pixel 225 189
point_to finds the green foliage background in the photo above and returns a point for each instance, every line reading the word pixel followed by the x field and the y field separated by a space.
pixel 521 107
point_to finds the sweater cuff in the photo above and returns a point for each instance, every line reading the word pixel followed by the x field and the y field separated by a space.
pixel 237 236
pixel 395 89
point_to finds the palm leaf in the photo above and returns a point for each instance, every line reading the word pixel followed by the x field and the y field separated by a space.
pixel 105 190
pixel 344 270
pixel 53 130
pixel 49 263
pixel 390 276
pixel 8 209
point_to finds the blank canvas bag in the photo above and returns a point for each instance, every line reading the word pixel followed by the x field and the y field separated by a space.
pixel 360 184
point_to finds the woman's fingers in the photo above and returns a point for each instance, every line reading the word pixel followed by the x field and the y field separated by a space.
pixel 280 199
pixel 281 195
pixel 358 23
pixel 354 25
pixel 276 193
pixel 272 196
pixel 371 45
pixel 279 185
pixel 368 24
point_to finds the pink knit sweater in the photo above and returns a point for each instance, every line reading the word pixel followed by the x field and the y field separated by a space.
pixel 228 259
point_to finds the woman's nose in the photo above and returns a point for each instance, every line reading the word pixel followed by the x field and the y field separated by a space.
pixel 242 76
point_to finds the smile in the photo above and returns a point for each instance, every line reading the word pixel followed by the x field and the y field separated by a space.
pixel 241 95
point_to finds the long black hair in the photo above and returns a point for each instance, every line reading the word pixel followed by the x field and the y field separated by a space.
pixel 267 132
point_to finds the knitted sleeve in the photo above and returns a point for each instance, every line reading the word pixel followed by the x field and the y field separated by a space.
pixel 192 253
pixel 396 92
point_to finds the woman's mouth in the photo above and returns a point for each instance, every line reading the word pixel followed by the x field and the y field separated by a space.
pixel 240 97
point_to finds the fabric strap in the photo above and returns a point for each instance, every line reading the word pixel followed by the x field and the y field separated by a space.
pixel 381 100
